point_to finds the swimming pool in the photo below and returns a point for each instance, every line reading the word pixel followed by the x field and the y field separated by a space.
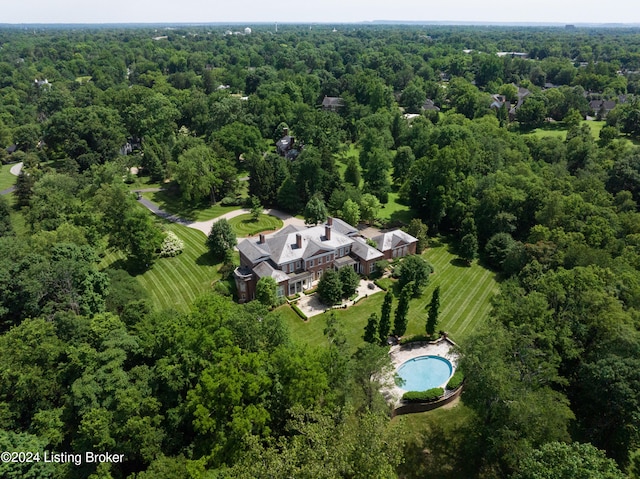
pixel 425 372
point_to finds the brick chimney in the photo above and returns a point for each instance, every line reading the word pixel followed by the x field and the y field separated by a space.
pixel 261 240
pixel 298 240
pixel 327 232
pixel 329 220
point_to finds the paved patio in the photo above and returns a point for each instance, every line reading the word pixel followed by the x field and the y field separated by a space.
pixel 311 305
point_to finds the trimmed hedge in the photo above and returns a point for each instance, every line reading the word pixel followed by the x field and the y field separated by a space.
pixel 383 283
pixel 423 396
pixel 456 380
pixel 299 312
pixel 415 338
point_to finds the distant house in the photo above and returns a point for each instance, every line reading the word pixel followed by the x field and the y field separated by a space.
pixel 513 54
pixel 131 145
pixel 499 100
pixel 601 108
pixel 332 103
pixel 42 83
pixel 286 146
pixel 523 93
pixel 429 105
pixel 297 257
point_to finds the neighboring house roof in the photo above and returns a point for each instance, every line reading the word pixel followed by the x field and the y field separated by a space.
pixel 499 100
pixel 362 250
pixel 393 239
pixel 332 102
pixel 430 105
pixel 597 105
pixel 285 143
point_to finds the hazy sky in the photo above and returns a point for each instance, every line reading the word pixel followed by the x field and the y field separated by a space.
pixel 338 11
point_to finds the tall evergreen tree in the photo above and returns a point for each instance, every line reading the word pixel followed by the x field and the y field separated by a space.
pixel 352 173
pixel 434 306
pixel 385 317
pixel 401 320
pixel 371 329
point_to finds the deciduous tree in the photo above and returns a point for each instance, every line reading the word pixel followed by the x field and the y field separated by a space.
pixel 330 287
pixel 221 238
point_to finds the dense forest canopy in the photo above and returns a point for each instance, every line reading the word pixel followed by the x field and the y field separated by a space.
pixel 518 146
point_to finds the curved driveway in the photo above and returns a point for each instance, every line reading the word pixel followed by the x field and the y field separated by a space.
pixel 205 226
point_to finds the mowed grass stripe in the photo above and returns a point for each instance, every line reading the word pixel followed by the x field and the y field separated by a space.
pixel 156 287
pixel 462 312
pixel 481 308
pixel 467 304
pixel 459 292
pixel 173 283
pixel 167 273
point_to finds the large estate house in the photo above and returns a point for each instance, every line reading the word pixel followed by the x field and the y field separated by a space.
pixel 296 257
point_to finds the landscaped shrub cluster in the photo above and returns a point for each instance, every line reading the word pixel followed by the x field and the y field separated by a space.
pixel 231 201
pixel 171 246
pixel 223 288
pixel 299 312
pixel 456 380
pixel 423 396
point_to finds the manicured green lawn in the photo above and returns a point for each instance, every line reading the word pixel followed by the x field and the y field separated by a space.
pixel 352 151
pixel 558 130
pixel 245 225
pixel 170 202
pixel 465 302
pixel 394 211
pixel 6 178
pixel 173 283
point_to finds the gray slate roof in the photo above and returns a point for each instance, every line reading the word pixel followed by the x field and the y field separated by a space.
pixel 362 250
pixel 393 239
pixel 281 247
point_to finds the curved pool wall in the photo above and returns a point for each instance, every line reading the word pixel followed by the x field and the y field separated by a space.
pixel 424 372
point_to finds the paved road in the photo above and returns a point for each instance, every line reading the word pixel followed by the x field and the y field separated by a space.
pixel 14 170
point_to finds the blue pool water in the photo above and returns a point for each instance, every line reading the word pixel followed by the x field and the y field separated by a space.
pixel 424 372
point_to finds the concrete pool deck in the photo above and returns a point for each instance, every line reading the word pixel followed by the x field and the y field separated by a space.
pixel 400 354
